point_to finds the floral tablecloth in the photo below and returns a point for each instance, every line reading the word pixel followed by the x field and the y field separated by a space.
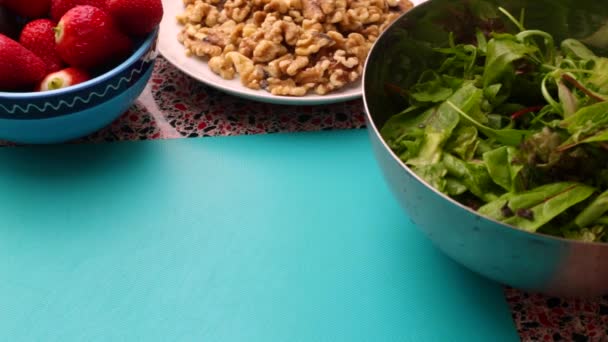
pixel 176 106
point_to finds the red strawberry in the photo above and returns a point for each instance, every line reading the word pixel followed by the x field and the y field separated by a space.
pixel 31 8
pixel 63 79
pixel 88 37
pixel 60 7
pixel 19 67
pixel 136 17
pixel 38 36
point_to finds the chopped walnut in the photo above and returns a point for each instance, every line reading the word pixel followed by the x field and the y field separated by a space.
pixel 287 65
pixel 314 74
pixel 349 62
pixel 267 50
pixel 371 31
pixel 286 87
pixel 311 42
pixel 223 67
pixel 251 75
pixel 311 9
pixel 237 10
pixel 286 47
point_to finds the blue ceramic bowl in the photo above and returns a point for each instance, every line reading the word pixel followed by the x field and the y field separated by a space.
pixel 65 114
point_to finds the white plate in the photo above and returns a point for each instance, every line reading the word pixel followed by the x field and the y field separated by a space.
pixel 174 52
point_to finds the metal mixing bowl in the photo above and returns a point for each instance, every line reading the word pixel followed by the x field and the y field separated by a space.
pixel 517 258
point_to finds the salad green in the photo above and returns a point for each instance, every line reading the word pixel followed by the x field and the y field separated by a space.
pixel 515 126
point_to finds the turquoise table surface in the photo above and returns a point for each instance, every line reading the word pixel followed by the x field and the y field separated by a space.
pixel 281 237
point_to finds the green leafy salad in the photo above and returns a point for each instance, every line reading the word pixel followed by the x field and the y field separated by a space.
pixel 515 126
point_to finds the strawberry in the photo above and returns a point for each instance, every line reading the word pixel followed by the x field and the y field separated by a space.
pixel 63 78
pixel 32 9
pixel 136 17
pixel 19 67
pixel 60 7
pixel 88 37
pixel 38 36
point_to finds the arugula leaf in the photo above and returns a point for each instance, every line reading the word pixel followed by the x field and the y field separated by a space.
pixel 434 174
pixel 501 167
pixel 569 101
pixel 507 136
pixel 593 211
pixel 473 175
pixel 575 49
pixel 442 121
pixel 597 137
pixel 538 206
pixel 502 52
pixel 430 89
pixel 585 122
pixel 461 61
pixel 463 142
pixel 482 42
pixel 404 132
pixel 594 234
pixel 599 77
pixel 454 187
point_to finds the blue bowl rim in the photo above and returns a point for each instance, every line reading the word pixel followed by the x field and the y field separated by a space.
pixel 66 92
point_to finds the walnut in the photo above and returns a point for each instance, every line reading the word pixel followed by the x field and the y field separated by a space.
pixel 328 6
pixel 357 45
pixel 267 50
pixel 338 12
pixel 212 17
pixel 286 87
pixel 296 16
pixel 403 5
pixel 312 25
pixel 283 30
pixel 287 65
pixel 371 31
pixel 201 48
pixel 291 32
pixel 247 45
pixel 341 76
pixel 338 39
pixel 314 74
pixel 222 67
pixel 251 75
pixel 237 10
pixel 388 19
pixel 311 9
pixel 229 48
pixel 248 30
pixel 349 62
pixel 194 13
pixel 312 42
pixel 221 35
pixel 236 33
pixel 281 6
pixel 258 18
pixel 286 47
pixel 274 68
pixel 365 15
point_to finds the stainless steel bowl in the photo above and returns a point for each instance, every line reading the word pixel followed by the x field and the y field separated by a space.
pixel 513 257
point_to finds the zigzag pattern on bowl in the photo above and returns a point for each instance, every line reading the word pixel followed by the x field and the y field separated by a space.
pixel 82 100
